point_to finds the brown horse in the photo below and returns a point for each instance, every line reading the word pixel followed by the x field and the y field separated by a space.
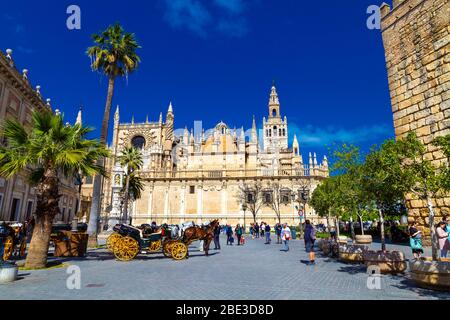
pixel 206 234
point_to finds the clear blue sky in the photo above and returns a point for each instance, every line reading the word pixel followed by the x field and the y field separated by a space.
pixel 215 60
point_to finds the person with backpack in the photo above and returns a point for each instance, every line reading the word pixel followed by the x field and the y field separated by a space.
pixel 238 232
pixel 230 238
pixel 310 239
pixel 267 231
pixel 415 240
pixel 278 229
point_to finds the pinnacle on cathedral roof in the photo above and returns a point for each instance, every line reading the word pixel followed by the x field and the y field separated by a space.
pixel 170 107
pixel 79 116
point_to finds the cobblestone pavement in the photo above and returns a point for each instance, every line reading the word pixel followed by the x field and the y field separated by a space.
pixel 253 271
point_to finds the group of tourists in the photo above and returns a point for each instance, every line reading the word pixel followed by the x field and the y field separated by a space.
pixel 263 230
pixel 442 235
pixel 238 232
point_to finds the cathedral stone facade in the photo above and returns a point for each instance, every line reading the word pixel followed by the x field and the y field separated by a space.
pixel 199 175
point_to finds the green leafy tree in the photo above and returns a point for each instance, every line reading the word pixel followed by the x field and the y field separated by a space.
pixel 113 54
pixel 131 160
pixel 351 197
pixel 324 200
pixel 384 182
pixel 48 152
pixel 425 179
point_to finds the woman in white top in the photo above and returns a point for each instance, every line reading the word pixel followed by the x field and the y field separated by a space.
pixel 285 237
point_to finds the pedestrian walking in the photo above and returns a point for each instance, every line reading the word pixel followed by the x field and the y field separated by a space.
pixel 229 235
pixel 285 236
pixel 278 229
pixel 238 232
pixel 310 238
pixel 442 236
pixel 415 240
pixel 267 231
pixel 217 230
pixel 447 228
pixel 257 230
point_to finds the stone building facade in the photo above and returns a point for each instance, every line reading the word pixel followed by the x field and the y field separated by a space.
pixel 416 37
pixel 199 175
pixel 17 101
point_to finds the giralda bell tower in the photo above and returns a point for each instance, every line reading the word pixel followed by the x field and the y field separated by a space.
pixel 275 128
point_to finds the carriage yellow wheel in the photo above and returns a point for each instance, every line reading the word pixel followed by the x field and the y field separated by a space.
pixel 155 246
pixel 167 248
pixel 112 240
pixel 8 248
pixel 179 251
pixel 126 249
pixel 23 247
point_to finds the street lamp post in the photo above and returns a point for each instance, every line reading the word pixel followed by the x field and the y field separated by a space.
pixel 79 183
pixel 244 208
pixel 303 198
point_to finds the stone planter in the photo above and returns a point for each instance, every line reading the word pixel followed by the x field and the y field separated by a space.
pixel 342 240
pixel 387 261
pixel 431 274
pixel 352 254
pixel 326 248
pixel 8 272
pixel 363 239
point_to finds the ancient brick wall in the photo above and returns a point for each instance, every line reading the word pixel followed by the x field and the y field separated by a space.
pixel 416 37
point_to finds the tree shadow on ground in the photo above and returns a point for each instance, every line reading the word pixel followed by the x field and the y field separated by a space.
pixel 352 269
pixel 408 284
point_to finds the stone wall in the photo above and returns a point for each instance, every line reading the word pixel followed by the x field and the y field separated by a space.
pixel 416 37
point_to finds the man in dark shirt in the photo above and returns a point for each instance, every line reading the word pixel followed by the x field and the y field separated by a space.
pixel 217 230
pixel 267 230
pixel 257 230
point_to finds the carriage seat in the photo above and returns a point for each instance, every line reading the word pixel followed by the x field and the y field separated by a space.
pixel 149 235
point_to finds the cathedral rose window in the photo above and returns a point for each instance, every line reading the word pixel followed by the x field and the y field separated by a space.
pixel 138 142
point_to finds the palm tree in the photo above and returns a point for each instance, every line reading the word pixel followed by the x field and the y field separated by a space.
pixel 135 187
pixel 131 159
pixel 114 54
pixel 48 151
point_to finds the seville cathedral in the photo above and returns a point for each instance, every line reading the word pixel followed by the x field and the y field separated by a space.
pixel 199 176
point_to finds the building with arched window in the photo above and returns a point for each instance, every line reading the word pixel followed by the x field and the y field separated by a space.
pixel 197 175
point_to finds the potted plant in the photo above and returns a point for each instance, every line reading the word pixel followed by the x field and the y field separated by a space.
pixel 352 253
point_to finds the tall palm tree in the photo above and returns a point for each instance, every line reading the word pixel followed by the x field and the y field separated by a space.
pixel 131 159
pixel 48 151
pixel 113 54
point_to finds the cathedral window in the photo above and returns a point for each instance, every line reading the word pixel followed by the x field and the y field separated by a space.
pixel 192 189
pixel 270 132
pixel 274 112
pixel 284 132
pixel 280 133
pixel 275 131
pixel 138 142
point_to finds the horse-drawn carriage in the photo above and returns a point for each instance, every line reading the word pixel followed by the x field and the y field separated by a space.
pixel 127 242
pixel 13 239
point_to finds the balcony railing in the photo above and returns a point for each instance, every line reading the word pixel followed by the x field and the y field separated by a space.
pixel 221 174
